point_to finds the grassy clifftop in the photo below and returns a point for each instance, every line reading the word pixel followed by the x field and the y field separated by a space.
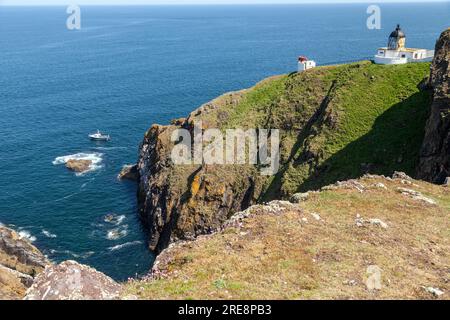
pixel 330 246
pixel 340 121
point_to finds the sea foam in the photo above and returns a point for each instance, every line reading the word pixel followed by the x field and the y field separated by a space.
pixel 125 245
pixel 95 158
pixel 48 234
pixel 117 233
pixel 24 234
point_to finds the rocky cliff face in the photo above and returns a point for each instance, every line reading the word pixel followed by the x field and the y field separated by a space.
pixel 435 155
pixel 20 262
pixel 335 123
pixel 181 202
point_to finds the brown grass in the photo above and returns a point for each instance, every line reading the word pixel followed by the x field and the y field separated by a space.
pixel 278 255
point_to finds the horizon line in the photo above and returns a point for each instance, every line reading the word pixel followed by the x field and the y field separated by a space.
pixel 308 2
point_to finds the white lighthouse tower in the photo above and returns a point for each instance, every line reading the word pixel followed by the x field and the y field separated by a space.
pixel 397 53
pixel 304 64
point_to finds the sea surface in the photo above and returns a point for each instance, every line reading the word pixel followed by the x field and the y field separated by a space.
pixel 130 67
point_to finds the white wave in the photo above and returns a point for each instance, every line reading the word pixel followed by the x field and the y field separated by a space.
pixel 120 219
pixel 87 254
pixel 117 233
pixel 110 148
pixel 76 255
pixel 24 234
pixel 1 224
pixel 48 234
pixel 86 183
pixel 66 197
pixel 124 245
pixel 95 158
pixel 114 219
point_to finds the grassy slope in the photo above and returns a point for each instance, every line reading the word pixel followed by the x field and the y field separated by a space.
pixel 373 121
pixel 277 255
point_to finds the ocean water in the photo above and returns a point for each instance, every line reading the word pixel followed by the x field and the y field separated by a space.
pixel 130 67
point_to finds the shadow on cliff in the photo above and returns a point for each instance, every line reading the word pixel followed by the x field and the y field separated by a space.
pixel 392 144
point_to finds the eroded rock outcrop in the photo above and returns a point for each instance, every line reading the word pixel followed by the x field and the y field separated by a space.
pixel 435 154
pixel 72 281
pixel 79 166
pixel 129 172
pixel 181 202
pixel 20 262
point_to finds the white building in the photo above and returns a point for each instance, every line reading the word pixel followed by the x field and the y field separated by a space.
pixel 397 53
pixel 305 64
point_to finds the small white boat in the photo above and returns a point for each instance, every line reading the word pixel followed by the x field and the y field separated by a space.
pixel 98 136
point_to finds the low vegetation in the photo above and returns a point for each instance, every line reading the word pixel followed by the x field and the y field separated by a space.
pixel 339 122
pixel 324 247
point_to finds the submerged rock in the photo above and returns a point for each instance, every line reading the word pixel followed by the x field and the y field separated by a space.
pixel 73 281
pixel 79 166
pixel 129 172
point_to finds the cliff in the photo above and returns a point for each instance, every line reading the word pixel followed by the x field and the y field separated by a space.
pixel 435 154
pixel 335 123
pixel 25 273
pixel 20 263
pixel 372 238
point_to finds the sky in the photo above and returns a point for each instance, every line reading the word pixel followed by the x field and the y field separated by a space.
pixel 150 2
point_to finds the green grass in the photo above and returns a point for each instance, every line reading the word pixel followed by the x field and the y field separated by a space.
pixel 339 122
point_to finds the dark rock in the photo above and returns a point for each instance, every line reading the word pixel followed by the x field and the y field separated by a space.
pixel 129 172
pixel 181 202
pixel 434 163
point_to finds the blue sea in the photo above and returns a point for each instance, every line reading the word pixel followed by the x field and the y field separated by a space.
pixel 130 67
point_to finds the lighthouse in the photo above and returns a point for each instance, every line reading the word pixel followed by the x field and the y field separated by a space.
pixel 397 39
pixel 304 64
pixel 396 51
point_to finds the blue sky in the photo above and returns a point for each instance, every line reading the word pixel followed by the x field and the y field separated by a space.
pixel 149 2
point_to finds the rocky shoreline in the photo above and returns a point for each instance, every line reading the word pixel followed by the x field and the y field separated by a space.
pixel 20 263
